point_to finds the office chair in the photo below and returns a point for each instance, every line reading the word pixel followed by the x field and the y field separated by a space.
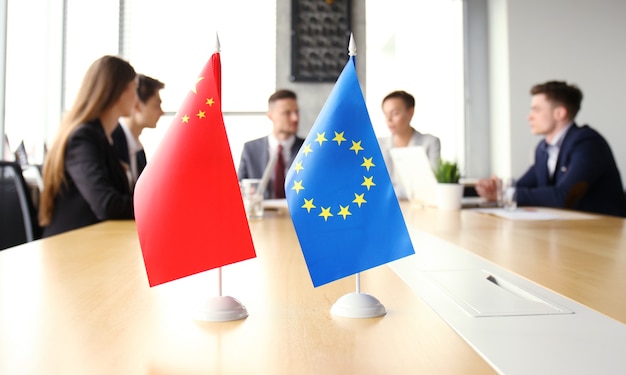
pixel 18 217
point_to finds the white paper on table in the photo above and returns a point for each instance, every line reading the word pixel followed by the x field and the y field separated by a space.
pixel 534 214
pixel 277 204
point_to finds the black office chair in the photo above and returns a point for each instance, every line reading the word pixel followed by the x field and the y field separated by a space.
pixel 18 217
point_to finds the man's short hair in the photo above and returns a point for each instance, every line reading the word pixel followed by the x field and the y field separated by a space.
pixel 147 87
pixel 561 93
pixel 282 94
pixel 407 98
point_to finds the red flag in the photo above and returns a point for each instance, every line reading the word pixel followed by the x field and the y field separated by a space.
pixel 188 208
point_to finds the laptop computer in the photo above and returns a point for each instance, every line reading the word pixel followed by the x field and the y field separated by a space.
pixel 412 167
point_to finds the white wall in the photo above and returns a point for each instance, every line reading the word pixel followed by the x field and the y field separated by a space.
pixel 582 42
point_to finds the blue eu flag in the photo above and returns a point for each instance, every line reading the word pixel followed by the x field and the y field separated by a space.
pixel 339 193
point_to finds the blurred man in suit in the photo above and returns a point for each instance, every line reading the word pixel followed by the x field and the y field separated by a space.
pixel 146 113
pixel 283 143
pixel 574 165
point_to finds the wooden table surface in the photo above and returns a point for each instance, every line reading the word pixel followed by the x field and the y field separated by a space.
pixel 79 303
pixel 584 260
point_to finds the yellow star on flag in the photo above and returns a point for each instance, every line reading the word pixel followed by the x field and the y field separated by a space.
pixel 307 149
pixel 210 102
pixel 201 114
pixel 185 119
pixel 325 213
pixel 321 138
pixel 298 167
pixel 367 181
pixel 344 211
pixel 356 147
pixel 339 138
pixel 193 89
pixel 308 204
pixel 297 186
pixel 359 199
pixel 367 163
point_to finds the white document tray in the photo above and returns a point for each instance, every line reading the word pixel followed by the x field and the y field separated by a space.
pixel 483 294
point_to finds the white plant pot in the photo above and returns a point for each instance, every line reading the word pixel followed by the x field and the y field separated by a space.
pixel 449 196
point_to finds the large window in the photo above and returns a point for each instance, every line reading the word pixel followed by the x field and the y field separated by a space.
pixel 33 72
pixel 417 46
pixel 86 39
pixel 51 44
pixel 411 45
pixel 173 42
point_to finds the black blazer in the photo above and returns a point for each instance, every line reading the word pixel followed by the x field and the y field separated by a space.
pixel 96 187
pixel 120 144
pixel 586 177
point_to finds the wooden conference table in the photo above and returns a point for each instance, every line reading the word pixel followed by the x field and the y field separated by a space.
pixel 582 259
pixel 79 303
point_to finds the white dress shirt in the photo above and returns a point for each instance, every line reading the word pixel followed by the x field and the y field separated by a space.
pixel 287 144
pixel 554 147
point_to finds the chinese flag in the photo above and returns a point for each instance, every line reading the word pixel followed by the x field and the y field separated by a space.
pixel 188 207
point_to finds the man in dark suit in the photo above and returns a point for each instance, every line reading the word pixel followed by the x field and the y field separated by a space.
pixel 146 113
pixel 574 166
pixel 281 145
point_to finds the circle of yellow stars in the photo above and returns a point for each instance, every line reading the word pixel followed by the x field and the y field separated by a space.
pixel 359 199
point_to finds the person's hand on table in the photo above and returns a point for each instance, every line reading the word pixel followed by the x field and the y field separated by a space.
pixel 488 188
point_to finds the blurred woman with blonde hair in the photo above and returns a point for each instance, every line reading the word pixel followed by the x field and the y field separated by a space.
pixel 84 181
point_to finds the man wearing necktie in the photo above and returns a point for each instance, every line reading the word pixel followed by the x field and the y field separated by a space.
pixel 145 114
pixel 574 166
pixel 281 145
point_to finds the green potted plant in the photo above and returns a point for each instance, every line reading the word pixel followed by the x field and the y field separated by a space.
pixel 447 172
pixel 449 190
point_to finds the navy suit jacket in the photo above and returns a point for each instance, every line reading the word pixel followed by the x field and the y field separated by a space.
pixel 586 177
pixel 96 187
pixel 256 155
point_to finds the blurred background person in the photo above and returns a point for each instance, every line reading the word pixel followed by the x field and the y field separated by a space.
pixel 145 114
pixel 399 107
pixel 574 166
pixel 84 180
pixel 283 141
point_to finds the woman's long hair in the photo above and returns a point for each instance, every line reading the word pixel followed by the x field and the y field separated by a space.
pixel 103 85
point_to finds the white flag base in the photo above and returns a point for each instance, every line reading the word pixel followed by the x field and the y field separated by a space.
pixel 358 305
pixel 221 309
